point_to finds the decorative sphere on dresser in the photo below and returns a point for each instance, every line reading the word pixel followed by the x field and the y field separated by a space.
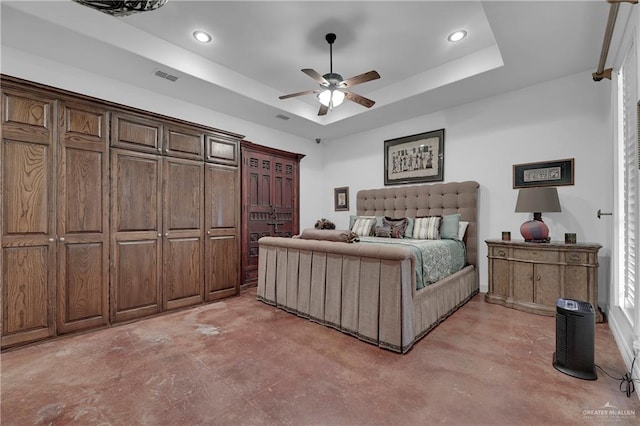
pixel 535 230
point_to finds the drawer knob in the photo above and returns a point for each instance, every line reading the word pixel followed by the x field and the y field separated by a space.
pixel 574 257
pixel 501 252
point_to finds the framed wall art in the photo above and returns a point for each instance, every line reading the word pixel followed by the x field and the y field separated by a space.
pixel 414 159
pixel 341 198
pixel 545 173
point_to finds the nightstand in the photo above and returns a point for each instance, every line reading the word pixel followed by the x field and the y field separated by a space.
pixel 532 276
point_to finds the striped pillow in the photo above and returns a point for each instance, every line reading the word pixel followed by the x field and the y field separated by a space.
pixel 427 228
pixel 363 226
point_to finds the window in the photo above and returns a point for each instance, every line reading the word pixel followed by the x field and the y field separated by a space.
pixel 628 166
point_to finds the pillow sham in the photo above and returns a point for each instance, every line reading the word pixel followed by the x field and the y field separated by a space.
pixel 408 233
pixel 397 226
pixel 353 218
pixel 382 231
pixel 364 225
pixel 450 227
pixel 427 228
pixel 462 229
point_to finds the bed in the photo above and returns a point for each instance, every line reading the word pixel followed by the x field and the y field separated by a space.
pixel 370 290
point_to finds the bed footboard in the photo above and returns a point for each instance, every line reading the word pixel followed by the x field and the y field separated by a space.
pixel 367 291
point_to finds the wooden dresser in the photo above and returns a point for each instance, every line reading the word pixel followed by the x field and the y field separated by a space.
pixel 532 276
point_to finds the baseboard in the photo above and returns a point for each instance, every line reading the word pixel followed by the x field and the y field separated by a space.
pixel 623 335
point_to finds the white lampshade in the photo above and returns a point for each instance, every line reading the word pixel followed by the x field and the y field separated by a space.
pixel 331 98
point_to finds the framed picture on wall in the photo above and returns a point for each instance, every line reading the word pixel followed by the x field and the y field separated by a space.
pixel 545 173
pixel 341 198
pixel 414 159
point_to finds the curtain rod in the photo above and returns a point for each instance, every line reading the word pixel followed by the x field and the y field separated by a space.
pixel 608 33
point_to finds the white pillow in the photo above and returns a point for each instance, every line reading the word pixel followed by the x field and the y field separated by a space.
pixel 462 229
pixel 427 228
pixel 362 226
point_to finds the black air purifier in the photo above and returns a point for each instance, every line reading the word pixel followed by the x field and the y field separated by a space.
pixel 575 339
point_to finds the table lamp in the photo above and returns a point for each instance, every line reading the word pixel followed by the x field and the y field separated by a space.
pixel 536 201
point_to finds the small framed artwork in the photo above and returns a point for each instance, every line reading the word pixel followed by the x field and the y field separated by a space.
pixel 414 159
pixel 545 173
pixel 341 198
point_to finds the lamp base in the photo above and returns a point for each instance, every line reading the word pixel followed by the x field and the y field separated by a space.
pixel 535 231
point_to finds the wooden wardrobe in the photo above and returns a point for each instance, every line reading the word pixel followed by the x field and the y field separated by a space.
pixel 270 200
pixel 110 213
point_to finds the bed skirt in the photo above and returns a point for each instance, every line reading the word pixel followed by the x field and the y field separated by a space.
pixel 368 291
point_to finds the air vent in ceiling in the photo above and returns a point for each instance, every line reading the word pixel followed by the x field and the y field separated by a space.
pixel 164 75
pixel 282 117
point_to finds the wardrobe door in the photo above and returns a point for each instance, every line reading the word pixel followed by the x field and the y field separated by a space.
pixel 83 217
pixel 222 198
pixel 259 214
pixel 135 132
pixel 28 216
pixel 270 205
pixel 136 234
pixel 183 219
pixel 284 196
pixel 183 142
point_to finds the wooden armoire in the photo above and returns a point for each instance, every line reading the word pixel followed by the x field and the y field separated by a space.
pixel 109 213
pixel 270 200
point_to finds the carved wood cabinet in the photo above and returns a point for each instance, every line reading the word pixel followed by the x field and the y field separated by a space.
pixel 270 201
pixel 532 276
pixel 109 213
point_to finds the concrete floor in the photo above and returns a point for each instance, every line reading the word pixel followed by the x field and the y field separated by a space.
pixel 240 361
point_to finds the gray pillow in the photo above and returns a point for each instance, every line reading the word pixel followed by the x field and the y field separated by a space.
pixel 449 227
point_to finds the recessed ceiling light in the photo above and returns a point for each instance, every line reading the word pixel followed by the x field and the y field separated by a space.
pixel 457 35
pixel 202 36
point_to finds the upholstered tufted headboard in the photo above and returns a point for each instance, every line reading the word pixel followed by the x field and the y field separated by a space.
pixel 437 199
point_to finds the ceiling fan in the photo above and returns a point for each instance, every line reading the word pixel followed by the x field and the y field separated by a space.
pixel 331 92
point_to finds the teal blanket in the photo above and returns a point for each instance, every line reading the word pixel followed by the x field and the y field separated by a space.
pixel 435 259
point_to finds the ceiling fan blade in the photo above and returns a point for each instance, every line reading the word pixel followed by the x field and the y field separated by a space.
pixel 306 92
pixel 323 110
pixel 362 78
pixel 315 75
pixel 365 102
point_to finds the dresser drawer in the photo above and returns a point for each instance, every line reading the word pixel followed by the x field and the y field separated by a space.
pixel 576 257
pixel 536 255
pixel 498 252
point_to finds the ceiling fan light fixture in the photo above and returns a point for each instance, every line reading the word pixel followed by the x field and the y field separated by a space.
pixel 331 98
pixel 457 36
pixel 202 36
pixel 332 86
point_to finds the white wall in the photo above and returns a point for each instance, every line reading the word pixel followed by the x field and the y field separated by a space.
pixel 564 118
